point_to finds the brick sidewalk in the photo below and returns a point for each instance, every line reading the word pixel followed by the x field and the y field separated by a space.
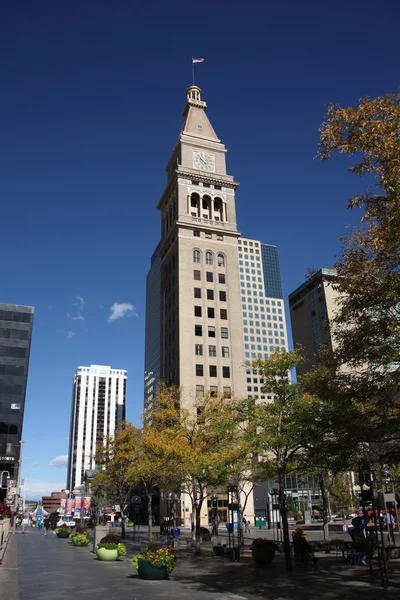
pixel 52 569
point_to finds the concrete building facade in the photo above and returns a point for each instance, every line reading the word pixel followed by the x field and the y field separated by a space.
pixel 312 307
pixel 98 408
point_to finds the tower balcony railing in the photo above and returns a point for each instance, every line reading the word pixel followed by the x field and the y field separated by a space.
pixel 210 222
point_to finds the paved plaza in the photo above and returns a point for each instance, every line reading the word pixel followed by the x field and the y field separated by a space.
pixel 38 567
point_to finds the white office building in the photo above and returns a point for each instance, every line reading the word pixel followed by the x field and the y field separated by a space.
pixel 98 408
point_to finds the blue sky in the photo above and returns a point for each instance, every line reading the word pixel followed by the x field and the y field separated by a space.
pixel 91 102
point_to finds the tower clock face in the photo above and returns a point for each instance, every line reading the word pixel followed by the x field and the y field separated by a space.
pixel 204 161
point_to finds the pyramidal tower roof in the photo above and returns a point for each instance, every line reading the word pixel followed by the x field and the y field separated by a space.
pixel 196 123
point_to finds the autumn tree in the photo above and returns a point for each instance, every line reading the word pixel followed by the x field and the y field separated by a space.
pixel 366 329
pixel 114 459
pixel 204 442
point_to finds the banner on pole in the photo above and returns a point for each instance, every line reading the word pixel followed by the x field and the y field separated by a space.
pixel 78 507
pixel 11 491
pixel 86 507
pixel 68 507
pixel 63 502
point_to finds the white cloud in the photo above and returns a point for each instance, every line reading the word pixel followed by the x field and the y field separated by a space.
pixel 35 464
pixel 59 461
pixel 36 488
pixel 70 334
pixel 119 310
pixel 79 305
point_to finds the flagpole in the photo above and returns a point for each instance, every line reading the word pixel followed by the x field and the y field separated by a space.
pixel 192 70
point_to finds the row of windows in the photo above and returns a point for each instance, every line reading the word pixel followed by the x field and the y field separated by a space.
pixel 212 369
pixel 223 313
pixel 245 242
pixel 17 317
pixel 13 352
pixel 212 350
pixel 209 276
pixel 14 389
pixel 198 331
pixel 210 294
pixel 12 370
pixel 220 237
pixel 213 391
pixel 209 258
pixel 6 428
pixel 14 334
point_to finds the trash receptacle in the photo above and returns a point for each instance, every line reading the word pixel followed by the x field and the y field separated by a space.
pixel 261 522
pixel 175 533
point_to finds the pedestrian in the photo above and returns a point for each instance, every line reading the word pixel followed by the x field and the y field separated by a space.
pixel 46 524
pixel 389 520
pixel 112 520
pixel 246 524
pixel 25 523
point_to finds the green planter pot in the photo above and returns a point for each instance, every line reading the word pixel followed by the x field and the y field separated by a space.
pixel 263 557
pixel 79 544
pixel 104 554
pixel 147 571
pixel 62 534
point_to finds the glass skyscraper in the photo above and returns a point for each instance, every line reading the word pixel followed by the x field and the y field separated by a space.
pixel 152 354
pixel 15 342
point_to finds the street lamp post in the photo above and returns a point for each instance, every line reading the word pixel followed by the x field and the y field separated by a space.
pixel 1 479
pixel 17 488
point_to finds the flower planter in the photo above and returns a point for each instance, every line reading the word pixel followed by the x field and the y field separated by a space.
pixel 62 534
pixel 147 571
pixel 79 544
pixel 104 554
pixel 264 556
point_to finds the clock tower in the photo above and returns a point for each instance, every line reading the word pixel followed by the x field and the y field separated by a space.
pixel 200 346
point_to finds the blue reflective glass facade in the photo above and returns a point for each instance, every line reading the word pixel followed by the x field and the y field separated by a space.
pixel 15 342
pixel 271 271
pixel 152 358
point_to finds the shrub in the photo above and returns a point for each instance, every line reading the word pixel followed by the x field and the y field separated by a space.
pixel 162 557
pixel 263 544
pixel 110 538
pixel 120 548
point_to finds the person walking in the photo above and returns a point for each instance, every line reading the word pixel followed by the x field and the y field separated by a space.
pixel 46 524
pixel 246 524
pixel 25 523
pixel 389 520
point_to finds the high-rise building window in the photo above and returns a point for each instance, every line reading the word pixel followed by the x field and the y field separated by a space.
pixel 196 256
pixel 213 391
pixel 199 349
pixel 212 350
pixel 199 370
pixel 223 314
pixel 197 311
pixel 222 296
pixel 210 313
pixel 226 372
pixel 221 260
pixel 211 331
pixel 209 258
pixel 209 276
pixel 198 330
pixel 210 294
pixel 227 391
pixel 196 275
pixel 225 352
pixel 224 332
pixel 213 370
pixel 208 235
pixel 196 233
pixel 220 237
pixel 221 278
pixel 199 391
pixel 197 292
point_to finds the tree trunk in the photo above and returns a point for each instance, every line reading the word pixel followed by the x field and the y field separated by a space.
pixel 325 504
pixel 198 518
pixel 150 515
pixel 285 524
pixel 123 532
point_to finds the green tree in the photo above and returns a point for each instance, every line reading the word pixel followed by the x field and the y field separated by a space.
pixel 276 430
